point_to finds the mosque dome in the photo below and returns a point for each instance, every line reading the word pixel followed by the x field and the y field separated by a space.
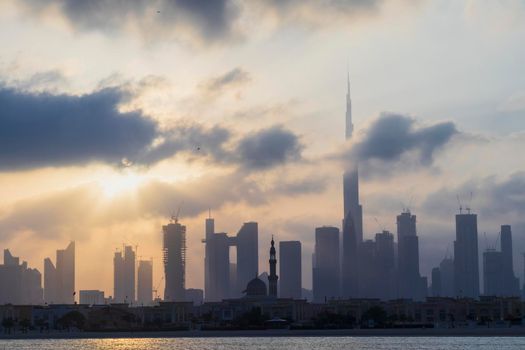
pixel 256 288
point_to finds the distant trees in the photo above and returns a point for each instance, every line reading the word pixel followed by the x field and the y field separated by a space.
pixel 73 319
pixel 329 319
pixel 252 318
pixel 8 324
pixel 375 317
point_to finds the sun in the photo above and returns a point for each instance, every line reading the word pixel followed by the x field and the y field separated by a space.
pixel 120 183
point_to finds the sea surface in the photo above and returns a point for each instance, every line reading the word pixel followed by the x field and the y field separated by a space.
pixel 263 343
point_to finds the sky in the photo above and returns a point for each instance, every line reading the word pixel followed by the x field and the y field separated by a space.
pixel 115 114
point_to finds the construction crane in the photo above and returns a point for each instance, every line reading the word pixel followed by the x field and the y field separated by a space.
pixel 175 218
pixel 156 289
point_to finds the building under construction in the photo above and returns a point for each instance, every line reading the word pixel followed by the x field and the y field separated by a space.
pixel 174 258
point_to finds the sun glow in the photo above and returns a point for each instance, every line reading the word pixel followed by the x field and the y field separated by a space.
pixel 120 183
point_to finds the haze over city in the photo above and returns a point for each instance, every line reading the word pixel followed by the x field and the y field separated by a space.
pixel 114 118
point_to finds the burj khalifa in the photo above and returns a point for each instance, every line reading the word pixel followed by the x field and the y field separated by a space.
pixel 353 217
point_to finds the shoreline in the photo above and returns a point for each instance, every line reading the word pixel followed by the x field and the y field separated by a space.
pixel 429 332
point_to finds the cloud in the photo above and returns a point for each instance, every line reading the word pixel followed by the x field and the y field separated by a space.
pixel 41 129
pixel 492 197
pixel 200 22
pixel 76 212
pixel 229 80
pixel 393 135
pixel 268 147
pixel 395 142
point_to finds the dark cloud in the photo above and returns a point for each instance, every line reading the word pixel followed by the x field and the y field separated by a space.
pixel 207 21
pixel 397 143
pixel 41 129
pixel 268 147
pixel 393 135
pixel 51 130
pixel 193 138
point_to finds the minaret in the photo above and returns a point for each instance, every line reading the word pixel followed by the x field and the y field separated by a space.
pixel 352 216
pixel 272 278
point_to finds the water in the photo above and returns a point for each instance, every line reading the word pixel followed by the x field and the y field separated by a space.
pixel 288 343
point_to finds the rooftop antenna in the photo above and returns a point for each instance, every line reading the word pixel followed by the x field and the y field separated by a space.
pixel 459 202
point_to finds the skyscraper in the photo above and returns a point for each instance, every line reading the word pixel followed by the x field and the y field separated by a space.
pixel 446 271
pixel 145 282
pixel 218 262
pixel 352 216
pixel 272 278
pixel 290 269
pixel 410 283
pixel 124 275
pixel 436 282
pixel 19 284
pixel 247 245
pixel 50 282
pixel 326 271
pixel 59 281
pixel 220 281
pixel 493 273
pixel 174 258
pixel 466 265
pixel 209 231
pixel 385 265
pixel 510 282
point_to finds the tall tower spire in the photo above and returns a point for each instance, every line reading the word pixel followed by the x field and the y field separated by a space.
pixel 272 278
pixel 349 124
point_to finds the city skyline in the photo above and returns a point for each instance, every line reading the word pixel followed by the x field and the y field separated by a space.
pixel 204 98
pixel 380 268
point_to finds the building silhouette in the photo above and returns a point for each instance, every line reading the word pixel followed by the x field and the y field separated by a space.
pixel 50 282
pixel 145 282
pixel 493 273
pixel 446 271
pixel 352 217
pixel 290 269
pixel 436 282
pixel 368 270
pixel 498 271
pixel 246 243
pixel 410 283
pixel 218 266
pixel 91 297
pixel 222 278
pixel 511 285
pixel 196 296
pixel 59 281
pixel 326 272
pixel 385 265
pixel 124 275
pixel 19 284
pixel 466 265
pixel 272 278
pixel 174 259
